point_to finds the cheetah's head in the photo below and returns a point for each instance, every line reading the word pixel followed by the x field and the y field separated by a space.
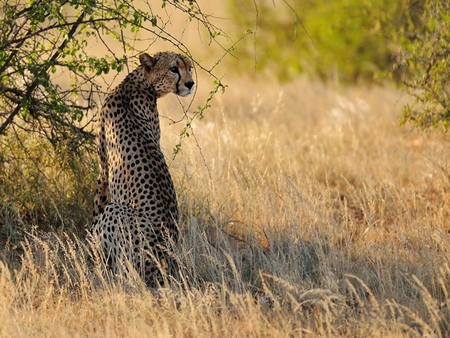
pixel 168 72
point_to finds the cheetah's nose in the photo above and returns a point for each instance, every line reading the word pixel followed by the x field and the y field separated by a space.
pixel 189 84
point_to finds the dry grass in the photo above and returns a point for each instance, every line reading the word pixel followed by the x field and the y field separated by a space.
pixel 307 212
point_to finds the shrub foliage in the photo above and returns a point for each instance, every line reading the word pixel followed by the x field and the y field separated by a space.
pixel 426 59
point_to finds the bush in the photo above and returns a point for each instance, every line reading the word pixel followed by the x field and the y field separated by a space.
pixel 425 64
pixel 45 188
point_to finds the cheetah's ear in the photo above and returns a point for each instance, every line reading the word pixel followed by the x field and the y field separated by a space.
pixel 147 61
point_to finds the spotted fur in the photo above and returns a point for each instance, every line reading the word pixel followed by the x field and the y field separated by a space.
pixel 135 205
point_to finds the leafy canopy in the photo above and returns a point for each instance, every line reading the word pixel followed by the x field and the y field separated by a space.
pixel 50 79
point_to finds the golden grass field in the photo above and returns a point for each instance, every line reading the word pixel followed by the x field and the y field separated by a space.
pixel 306 211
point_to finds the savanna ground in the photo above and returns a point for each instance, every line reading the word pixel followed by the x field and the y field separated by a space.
pixel 306 211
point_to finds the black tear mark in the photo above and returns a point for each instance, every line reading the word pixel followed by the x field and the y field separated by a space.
pixel 179 76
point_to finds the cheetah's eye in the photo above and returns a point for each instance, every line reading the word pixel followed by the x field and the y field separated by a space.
pixel 173 70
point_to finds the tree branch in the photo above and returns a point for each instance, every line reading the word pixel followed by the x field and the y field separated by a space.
pixel 36 80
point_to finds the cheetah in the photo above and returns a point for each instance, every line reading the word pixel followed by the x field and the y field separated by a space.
pixel 135 210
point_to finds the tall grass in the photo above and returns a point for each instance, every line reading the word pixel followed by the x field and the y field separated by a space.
pixel 305 210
